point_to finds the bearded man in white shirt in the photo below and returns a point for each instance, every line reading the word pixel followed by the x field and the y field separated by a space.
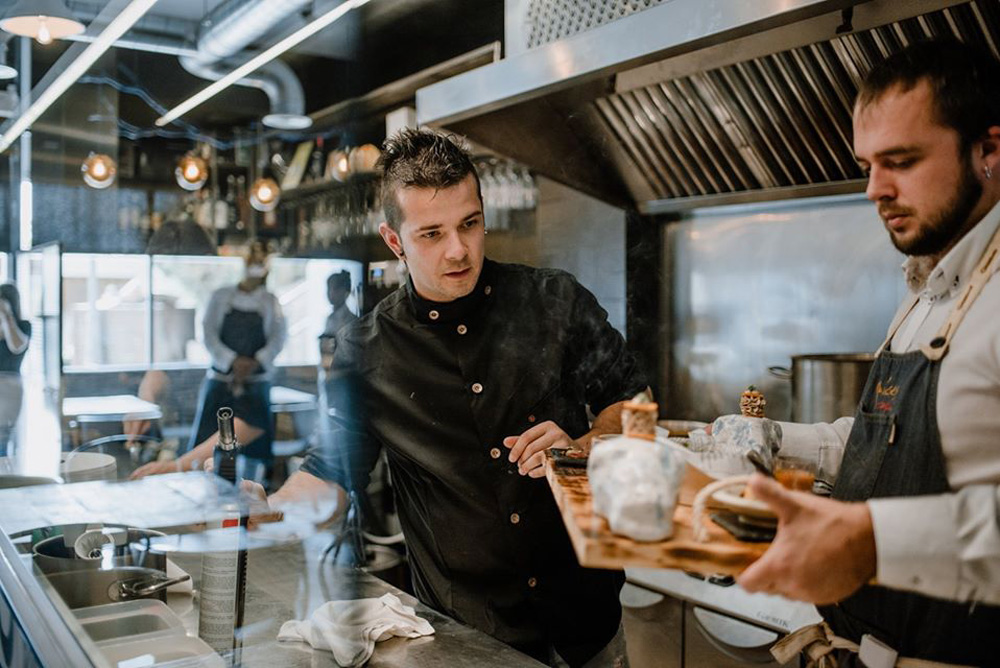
pixel 909 549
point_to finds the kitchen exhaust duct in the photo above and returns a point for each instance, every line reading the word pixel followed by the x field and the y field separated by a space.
pixel 688 103
pixel 227 31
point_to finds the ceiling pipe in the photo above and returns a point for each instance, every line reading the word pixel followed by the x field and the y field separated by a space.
pixel 275 79
pixel 227 31
pixel 236 24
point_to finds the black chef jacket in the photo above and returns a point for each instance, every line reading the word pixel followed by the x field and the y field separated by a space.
pixel 440 385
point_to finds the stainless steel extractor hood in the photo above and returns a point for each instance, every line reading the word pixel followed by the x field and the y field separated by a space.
pixel 694 102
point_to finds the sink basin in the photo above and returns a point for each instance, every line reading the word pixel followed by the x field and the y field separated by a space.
pixel 132 620
pixel 194 653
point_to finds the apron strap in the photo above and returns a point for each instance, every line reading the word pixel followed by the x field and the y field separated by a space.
pixel 818 642
pixel 938 346
pixel 914 299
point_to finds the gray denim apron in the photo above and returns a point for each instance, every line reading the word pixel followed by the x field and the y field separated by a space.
pixel 895 450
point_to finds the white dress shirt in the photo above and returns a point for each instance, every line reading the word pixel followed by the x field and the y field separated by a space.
pixel 947 545
pixel 259 301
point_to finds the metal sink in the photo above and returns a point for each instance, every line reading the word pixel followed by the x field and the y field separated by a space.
pixel 122 627
pixel 129 620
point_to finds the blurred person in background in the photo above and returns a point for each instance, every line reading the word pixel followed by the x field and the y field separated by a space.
pixel 244 330
pixel 14 336
pixel 338 289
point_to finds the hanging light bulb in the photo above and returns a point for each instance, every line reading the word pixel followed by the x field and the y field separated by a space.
pixel 264 194
pixel 191 172
pixel 99 170
pixel 44 37
pixel 44 20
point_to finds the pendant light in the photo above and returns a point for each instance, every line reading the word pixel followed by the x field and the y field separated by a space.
pixel 44 20
pixel 264 194
pixel 191 172
pixel 99 171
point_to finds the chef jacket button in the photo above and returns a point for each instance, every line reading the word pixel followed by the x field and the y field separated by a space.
pixel 488 290
pixel 477 388
pixel 495 453
pixel 938 342
pixel 532 582
pixel 514 518
pixel 531 418
pixel 462 329
pixel 433 315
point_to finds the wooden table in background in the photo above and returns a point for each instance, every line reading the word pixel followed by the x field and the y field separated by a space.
pixel 597 547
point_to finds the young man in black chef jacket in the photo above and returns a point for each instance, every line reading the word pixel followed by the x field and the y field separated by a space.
pixel 465 376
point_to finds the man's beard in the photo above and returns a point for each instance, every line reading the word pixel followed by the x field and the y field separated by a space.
pixel 944 227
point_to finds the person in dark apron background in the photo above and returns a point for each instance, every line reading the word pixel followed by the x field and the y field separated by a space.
pixel 905 561
pixel 244 331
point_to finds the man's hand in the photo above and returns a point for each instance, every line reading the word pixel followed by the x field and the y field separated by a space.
pixel 155 468
pixel 528 449
pixel 243 368
pixel 260 511
pixel 824 550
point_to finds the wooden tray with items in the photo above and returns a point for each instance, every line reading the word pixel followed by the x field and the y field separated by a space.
pixel 597 547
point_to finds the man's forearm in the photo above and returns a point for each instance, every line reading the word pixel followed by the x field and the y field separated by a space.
pixel 608 421
pixel 303 488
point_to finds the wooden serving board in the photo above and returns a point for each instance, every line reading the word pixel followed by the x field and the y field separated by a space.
pixel 597 547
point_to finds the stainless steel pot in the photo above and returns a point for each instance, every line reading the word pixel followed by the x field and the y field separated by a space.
pixel 52 555
pixel 825 387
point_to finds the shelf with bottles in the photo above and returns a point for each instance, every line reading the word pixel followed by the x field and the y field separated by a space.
pixel 319 188
pixel 321 216
pixel 510 194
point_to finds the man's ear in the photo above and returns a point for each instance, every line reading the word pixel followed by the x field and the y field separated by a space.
pixel 391 239
pixel 989 149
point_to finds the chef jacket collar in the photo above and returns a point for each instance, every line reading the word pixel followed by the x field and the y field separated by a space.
pixel 428 312
pixel 955 268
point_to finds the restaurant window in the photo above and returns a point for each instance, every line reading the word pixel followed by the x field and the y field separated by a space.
pixel 182 286
pixel 300 286
pixel 105 310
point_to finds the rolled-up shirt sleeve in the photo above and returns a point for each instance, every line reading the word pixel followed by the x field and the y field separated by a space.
pixel 805 440
pixel 946 546
pixel 346 457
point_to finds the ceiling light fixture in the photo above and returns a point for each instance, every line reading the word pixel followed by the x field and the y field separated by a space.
pixel 270 54
pixel 44 20
pixel 264 194
pixel 191 172
pixel 99 171
pixel 118 27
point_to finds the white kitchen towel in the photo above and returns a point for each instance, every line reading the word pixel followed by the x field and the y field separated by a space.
pixel 350 629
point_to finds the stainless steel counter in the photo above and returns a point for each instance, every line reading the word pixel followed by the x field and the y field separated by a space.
pixel 288 582
pixel 286 579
